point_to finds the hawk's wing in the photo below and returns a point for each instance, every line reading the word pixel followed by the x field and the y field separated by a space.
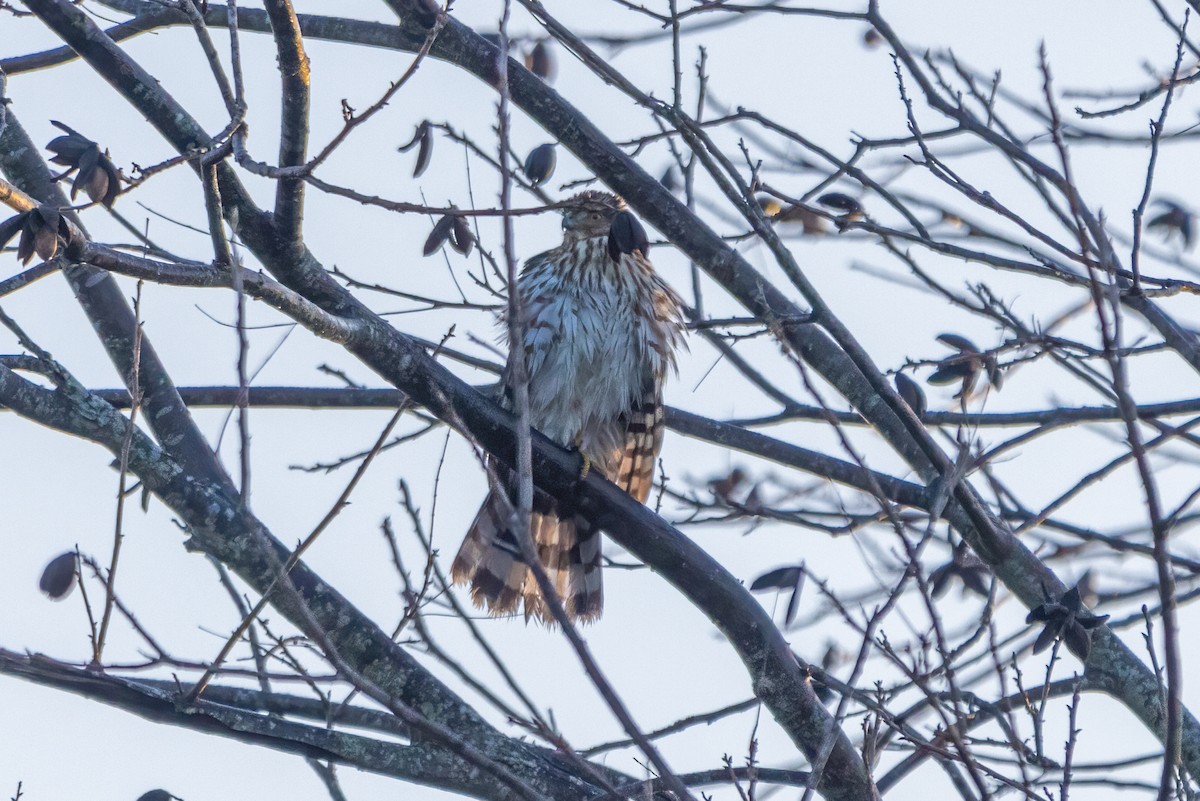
pixel 541 299
pixel 634 461
pixel 643 424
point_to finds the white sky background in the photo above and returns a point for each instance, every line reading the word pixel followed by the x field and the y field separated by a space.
pixel 660 653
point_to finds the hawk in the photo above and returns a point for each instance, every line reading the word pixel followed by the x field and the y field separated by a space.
pixel 601 329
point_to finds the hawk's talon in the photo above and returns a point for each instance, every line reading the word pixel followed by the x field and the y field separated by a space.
pixel 587 462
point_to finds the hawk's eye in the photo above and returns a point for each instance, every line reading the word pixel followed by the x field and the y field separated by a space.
pixel 595 215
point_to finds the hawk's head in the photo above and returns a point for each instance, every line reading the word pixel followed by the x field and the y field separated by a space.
pixel 590 214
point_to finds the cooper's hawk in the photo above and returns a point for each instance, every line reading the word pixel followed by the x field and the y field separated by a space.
pixel 600 332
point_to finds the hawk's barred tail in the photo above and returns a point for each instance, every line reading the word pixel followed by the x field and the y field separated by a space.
pixel 634 471
pixel 490 561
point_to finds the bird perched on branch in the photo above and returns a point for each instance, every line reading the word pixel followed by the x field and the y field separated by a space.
pixel 600 333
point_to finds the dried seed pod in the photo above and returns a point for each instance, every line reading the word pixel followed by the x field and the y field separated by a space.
pixel 958 342
pixel 11 227
pixel 753 502
pixel 810 221
pixel 44 242
pixel 423 137
pixel 541 62
pixel 1048 635
pixel 939 580
pixel 540 163
pixel 1176 219
pixel 42 230
pixel 626 235
pixel 1077 640
pixel 59 576
pixel 70 148
pixel 952 219
pixel 975 579
pixel 440 233
pixel 951 373
pixel 994 373
pixel 839 202
pixel 1065 618
pixel 794 601
pixel 158 795
pixel 770 206
pixel 964 566
pixel 781 578
pixel 912 394
pixel 723 487
pixel 461 238
pixel 967 365
pixel 872 38
pixel 670 178
pixel 97 176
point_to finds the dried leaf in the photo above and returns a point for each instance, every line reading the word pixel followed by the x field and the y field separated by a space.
pixel 45 242
pixel 912 394
pixel 824 694
pixel 423 137
pixel 69 148
pixel 770 206
pixel 975 579
pixel 939 580
pixel 1077 640
pixel 10 228
pixel 541 62
pixel 794 601
pixel 753 502
pixel 840 202
pixel 1039 614
pixel 87 164
pixel 670 178
pixel 1046 638
pixel 811 222
pixel 1176 219
pixel 540 163
pixel 725 486
pixel 416 138
pixel 951 373
pixel 158 795
pixel 98 187
pixel 97 175
pixel 461 238
pixel 958 342
pixel 25 246
pixel 440 233
pixel 59 576
pixel 832 657
pixel 968 385
pixel 781 578
pixel 425 152
pixel 995 374
pixel 1071 600
pixel 47 217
